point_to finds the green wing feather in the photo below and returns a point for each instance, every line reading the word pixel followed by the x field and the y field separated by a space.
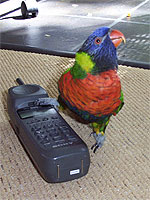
pixel 121 105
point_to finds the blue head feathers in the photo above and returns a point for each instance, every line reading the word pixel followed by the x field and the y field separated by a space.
pixel 100 47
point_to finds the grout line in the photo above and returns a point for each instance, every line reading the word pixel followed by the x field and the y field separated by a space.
pixel 102 18
pixel 82 16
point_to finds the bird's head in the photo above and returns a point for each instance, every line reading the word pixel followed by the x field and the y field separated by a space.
pixel 101 47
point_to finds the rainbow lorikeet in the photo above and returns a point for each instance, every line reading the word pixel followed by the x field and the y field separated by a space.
pixel 91 87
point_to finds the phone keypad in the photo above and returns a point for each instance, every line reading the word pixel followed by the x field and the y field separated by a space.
pixel 51 131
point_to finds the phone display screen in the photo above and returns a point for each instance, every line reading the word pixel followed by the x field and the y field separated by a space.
pixel 24 114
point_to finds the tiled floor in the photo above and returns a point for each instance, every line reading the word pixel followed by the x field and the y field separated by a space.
pixel 61 27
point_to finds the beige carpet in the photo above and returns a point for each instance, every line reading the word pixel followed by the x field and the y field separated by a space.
pixel 120 170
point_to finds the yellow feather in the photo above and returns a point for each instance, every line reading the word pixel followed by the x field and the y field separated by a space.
pixel 85 61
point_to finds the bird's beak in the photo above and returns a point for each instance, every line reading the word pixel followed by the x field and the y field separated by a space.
pixel 117 37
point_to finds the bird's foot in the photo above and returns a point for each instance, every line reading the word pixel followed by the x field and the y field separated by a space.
pixel 54 103
pixel 100 138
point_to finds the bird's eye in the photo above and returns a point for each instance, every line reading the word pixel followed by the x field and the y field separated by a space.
pixel 97 40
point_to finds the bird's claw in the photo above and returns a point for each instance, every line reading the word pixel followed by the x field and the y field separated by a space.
pixel 99 141
pixel 92 134
pixel 55 103
pixel 94 147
